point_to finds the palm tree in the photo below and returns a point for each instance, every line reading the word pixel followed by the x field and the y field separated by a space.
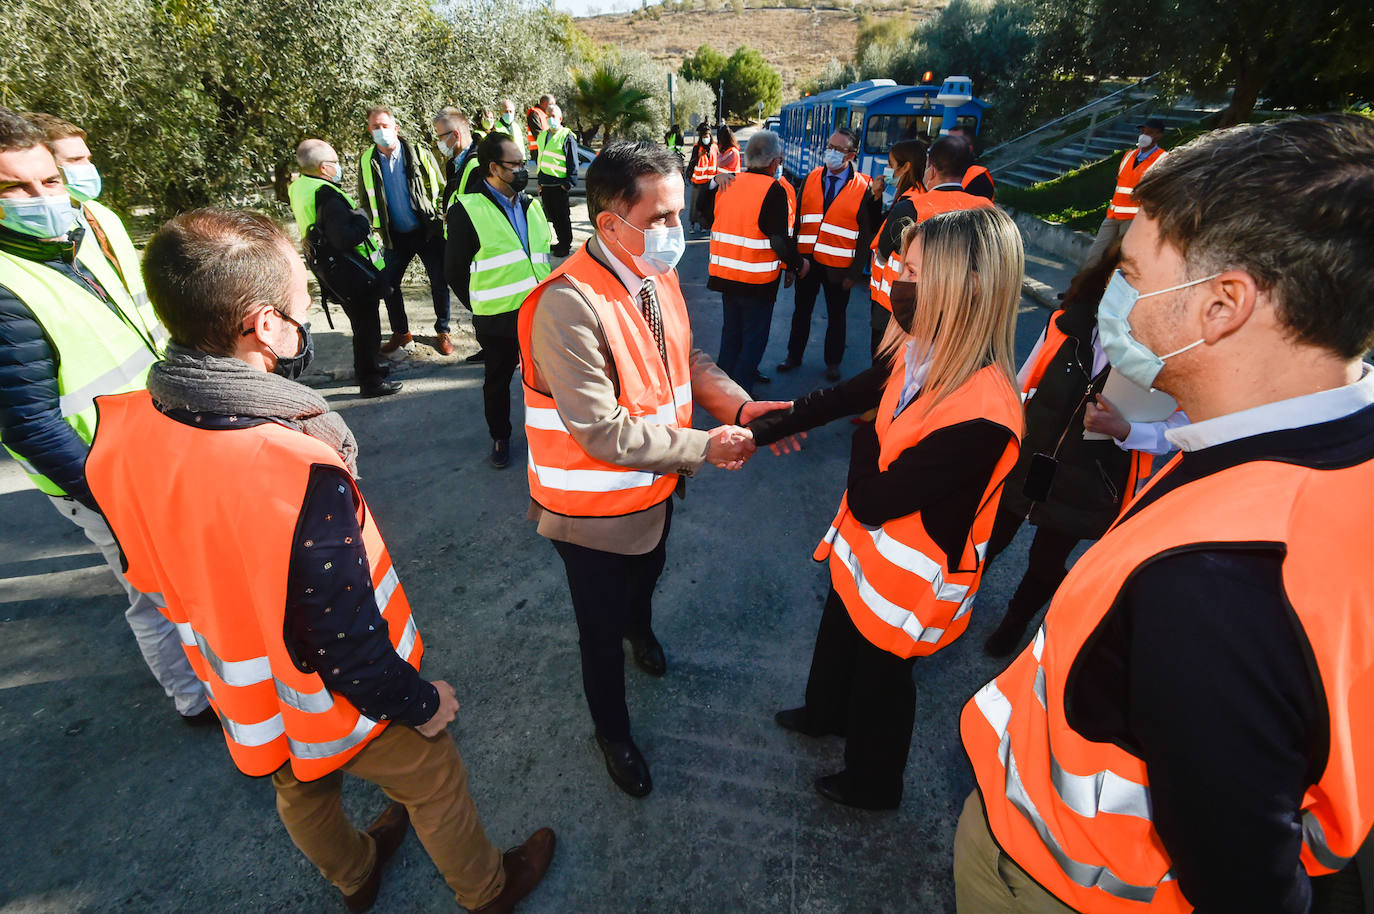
pixel 602 100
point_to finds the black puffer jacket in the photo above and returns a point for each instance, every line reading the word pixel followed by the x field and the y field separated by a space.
pixel 31 421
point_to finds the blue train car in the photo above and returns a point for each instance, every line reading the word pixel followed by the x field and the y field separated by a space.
pixel 881 113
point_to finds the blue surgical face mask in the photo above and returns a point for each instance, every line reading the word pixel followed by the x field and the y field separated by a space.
pixel 83 181
pixel 889 174
pixel 384 137
pixel 1129 357
pixel 663 247
pixel 38 217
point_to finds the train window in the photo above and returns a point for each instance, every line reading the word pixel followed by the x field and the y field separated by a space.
pixel 969 122
pixel 886 129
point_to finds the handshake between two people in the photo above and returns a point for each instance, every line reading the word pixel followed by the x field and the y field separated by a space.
pixel 730 446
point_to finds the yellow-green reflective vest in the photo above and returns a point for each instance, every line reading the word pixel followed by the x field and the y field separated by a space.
pixel 551 159
pixel 130 268
pixel 502 273
pixel 468 169
pixel 302 193
pixel 97 351
pixel 431 178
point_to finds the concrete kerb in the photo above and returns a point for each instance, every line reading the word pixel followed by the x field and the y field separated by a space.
pixel 1053 238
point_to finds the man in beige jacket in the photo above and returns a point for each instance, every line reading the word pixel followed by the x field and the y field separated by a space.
pixel 610 436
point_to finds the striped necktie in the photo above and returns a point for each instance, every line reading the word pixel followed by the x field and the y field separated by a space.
pixel 648 303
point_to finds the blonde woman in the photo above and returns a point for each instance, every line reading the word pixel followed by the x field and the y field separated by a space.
pixel 906 549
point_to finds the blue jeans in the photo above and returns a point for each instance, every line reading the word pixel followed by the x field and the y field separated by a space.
pixel 744 336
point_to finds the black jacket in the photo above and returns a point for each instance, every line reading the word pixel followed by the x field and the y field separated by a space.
pixel 870 214
pixel 774 226
pixel 31 422
pixel 462 246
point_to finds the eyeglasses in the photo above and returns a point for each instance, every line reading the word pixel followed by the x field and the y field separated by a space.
pixel 512 165
pixel 841 149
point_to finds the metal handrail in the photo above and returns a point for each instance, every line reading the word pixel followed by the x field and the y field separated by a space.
pixel 1068 139
pixel 1086 109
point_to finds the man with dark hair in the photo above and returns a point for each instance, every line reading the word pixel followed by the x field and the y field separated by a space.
pixel 71 329
pixel 497 251
pixel 1190 728
pixel 976 180
pixel 1123 206
pixel 836 218
pixel 453 136
pixel 341 230
pixel 275 569
pixel 946 161
pixel 400 186
pixel 611 375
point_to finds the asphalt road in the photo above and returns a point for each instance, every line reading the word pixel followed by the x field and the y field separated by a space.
pixel 113 805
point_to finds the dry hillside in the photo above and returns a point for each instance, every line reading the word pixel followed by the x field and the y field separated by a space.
pixel 798 42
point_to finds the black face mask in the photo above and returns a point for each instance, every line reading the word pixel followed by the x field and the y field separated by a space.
pixel 903 298
pixel 518 180
pixel 293 367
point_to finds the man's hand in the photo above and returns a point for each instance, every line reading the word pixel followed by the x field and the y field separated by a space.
pixel 724 179
pixel 729 446
pixel 448 710
pixel 805 268
pixel 755 408
pixel 877 186
pixel 1102 417
pixel 848 283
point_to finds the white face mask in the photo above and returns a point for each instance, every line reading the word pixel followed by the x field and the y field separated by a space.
pixel 446 149
pixel 833 159
pixel 663 248
pixel 1144 141
pixel 385 137
pixel 83 181
pixel 39 217
pixel 555 123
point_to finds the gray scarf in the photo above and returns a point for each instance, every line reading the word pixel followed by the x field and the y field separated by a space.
pixel 226 386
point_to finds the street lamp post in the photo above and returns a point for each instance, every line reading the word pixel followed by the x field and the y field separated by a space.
pixel 720 101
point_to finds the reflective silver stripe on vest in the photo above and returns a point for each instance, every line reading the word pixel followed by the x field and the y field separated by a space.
pixel 847 234
pixel 757 244
pixel 308 702
pixel 385 588
pixel 500 260
pixel 406 646
pixel 919 564
pixel 240 674
pixel 996 710
pixel 333 747
pixel 259 734
pixel 591 480
pixel 511 288
pixel 898 617
pixel 831 249
pixel 1314 836
pixel 78 401
pixel 745 266
pixel 25 465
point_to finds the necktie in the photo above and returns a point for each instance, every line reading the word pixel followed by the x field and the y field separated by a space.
pixel 648 303
pixel 829 190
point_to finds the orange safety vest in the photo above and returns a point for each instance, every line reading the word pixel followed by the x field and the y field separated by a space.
pixel 221 559
pixel 1128 175
pixel 1055 339
pixel 947 201
pixel 903 592
pixel 1074 813
pixel 739 251
pixel 882 275
pixel 705 168
pixel 973 172
pixel 542 120
pixel 563 477
pixel 833 234
pixel 729 160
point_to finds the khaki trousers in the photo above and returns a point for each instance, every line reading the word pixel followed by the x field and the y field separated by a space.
pixel 1110 230
pixel 987 881
pixel 428 777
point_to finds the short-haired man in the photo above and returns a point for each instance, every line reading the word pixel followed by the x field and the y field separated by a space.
pixel 513 125
pixel 751 248
pixel 977 180
pixel 453 137
pixel 1190 727
pixel 611 375
pixel 70 330
pixel 497 251
pixel 275 569
pixel 835 223
pixel 537 119
pixel 1122 208
pixel 557 151
pixel 319 202
pixel 947 161
pixel 400 186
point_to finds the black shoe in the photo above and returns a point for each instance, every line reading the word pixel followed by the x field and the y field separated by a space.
pixel 561 252
pixel 832 373
pixel 205 718
pixel 761 378
pixel 788 365
pixel 626 766
pixel 478 356
pixel 379 388
pixel 837 788
pixel 648 654
pixel 500 453
pixel 388 831
pixel 798 720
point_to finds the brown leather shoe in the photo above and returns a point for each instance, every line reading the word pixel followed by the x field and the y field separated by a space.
pixel 445 344
pixel 525 866
pixel 396 342
pixel 387 831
